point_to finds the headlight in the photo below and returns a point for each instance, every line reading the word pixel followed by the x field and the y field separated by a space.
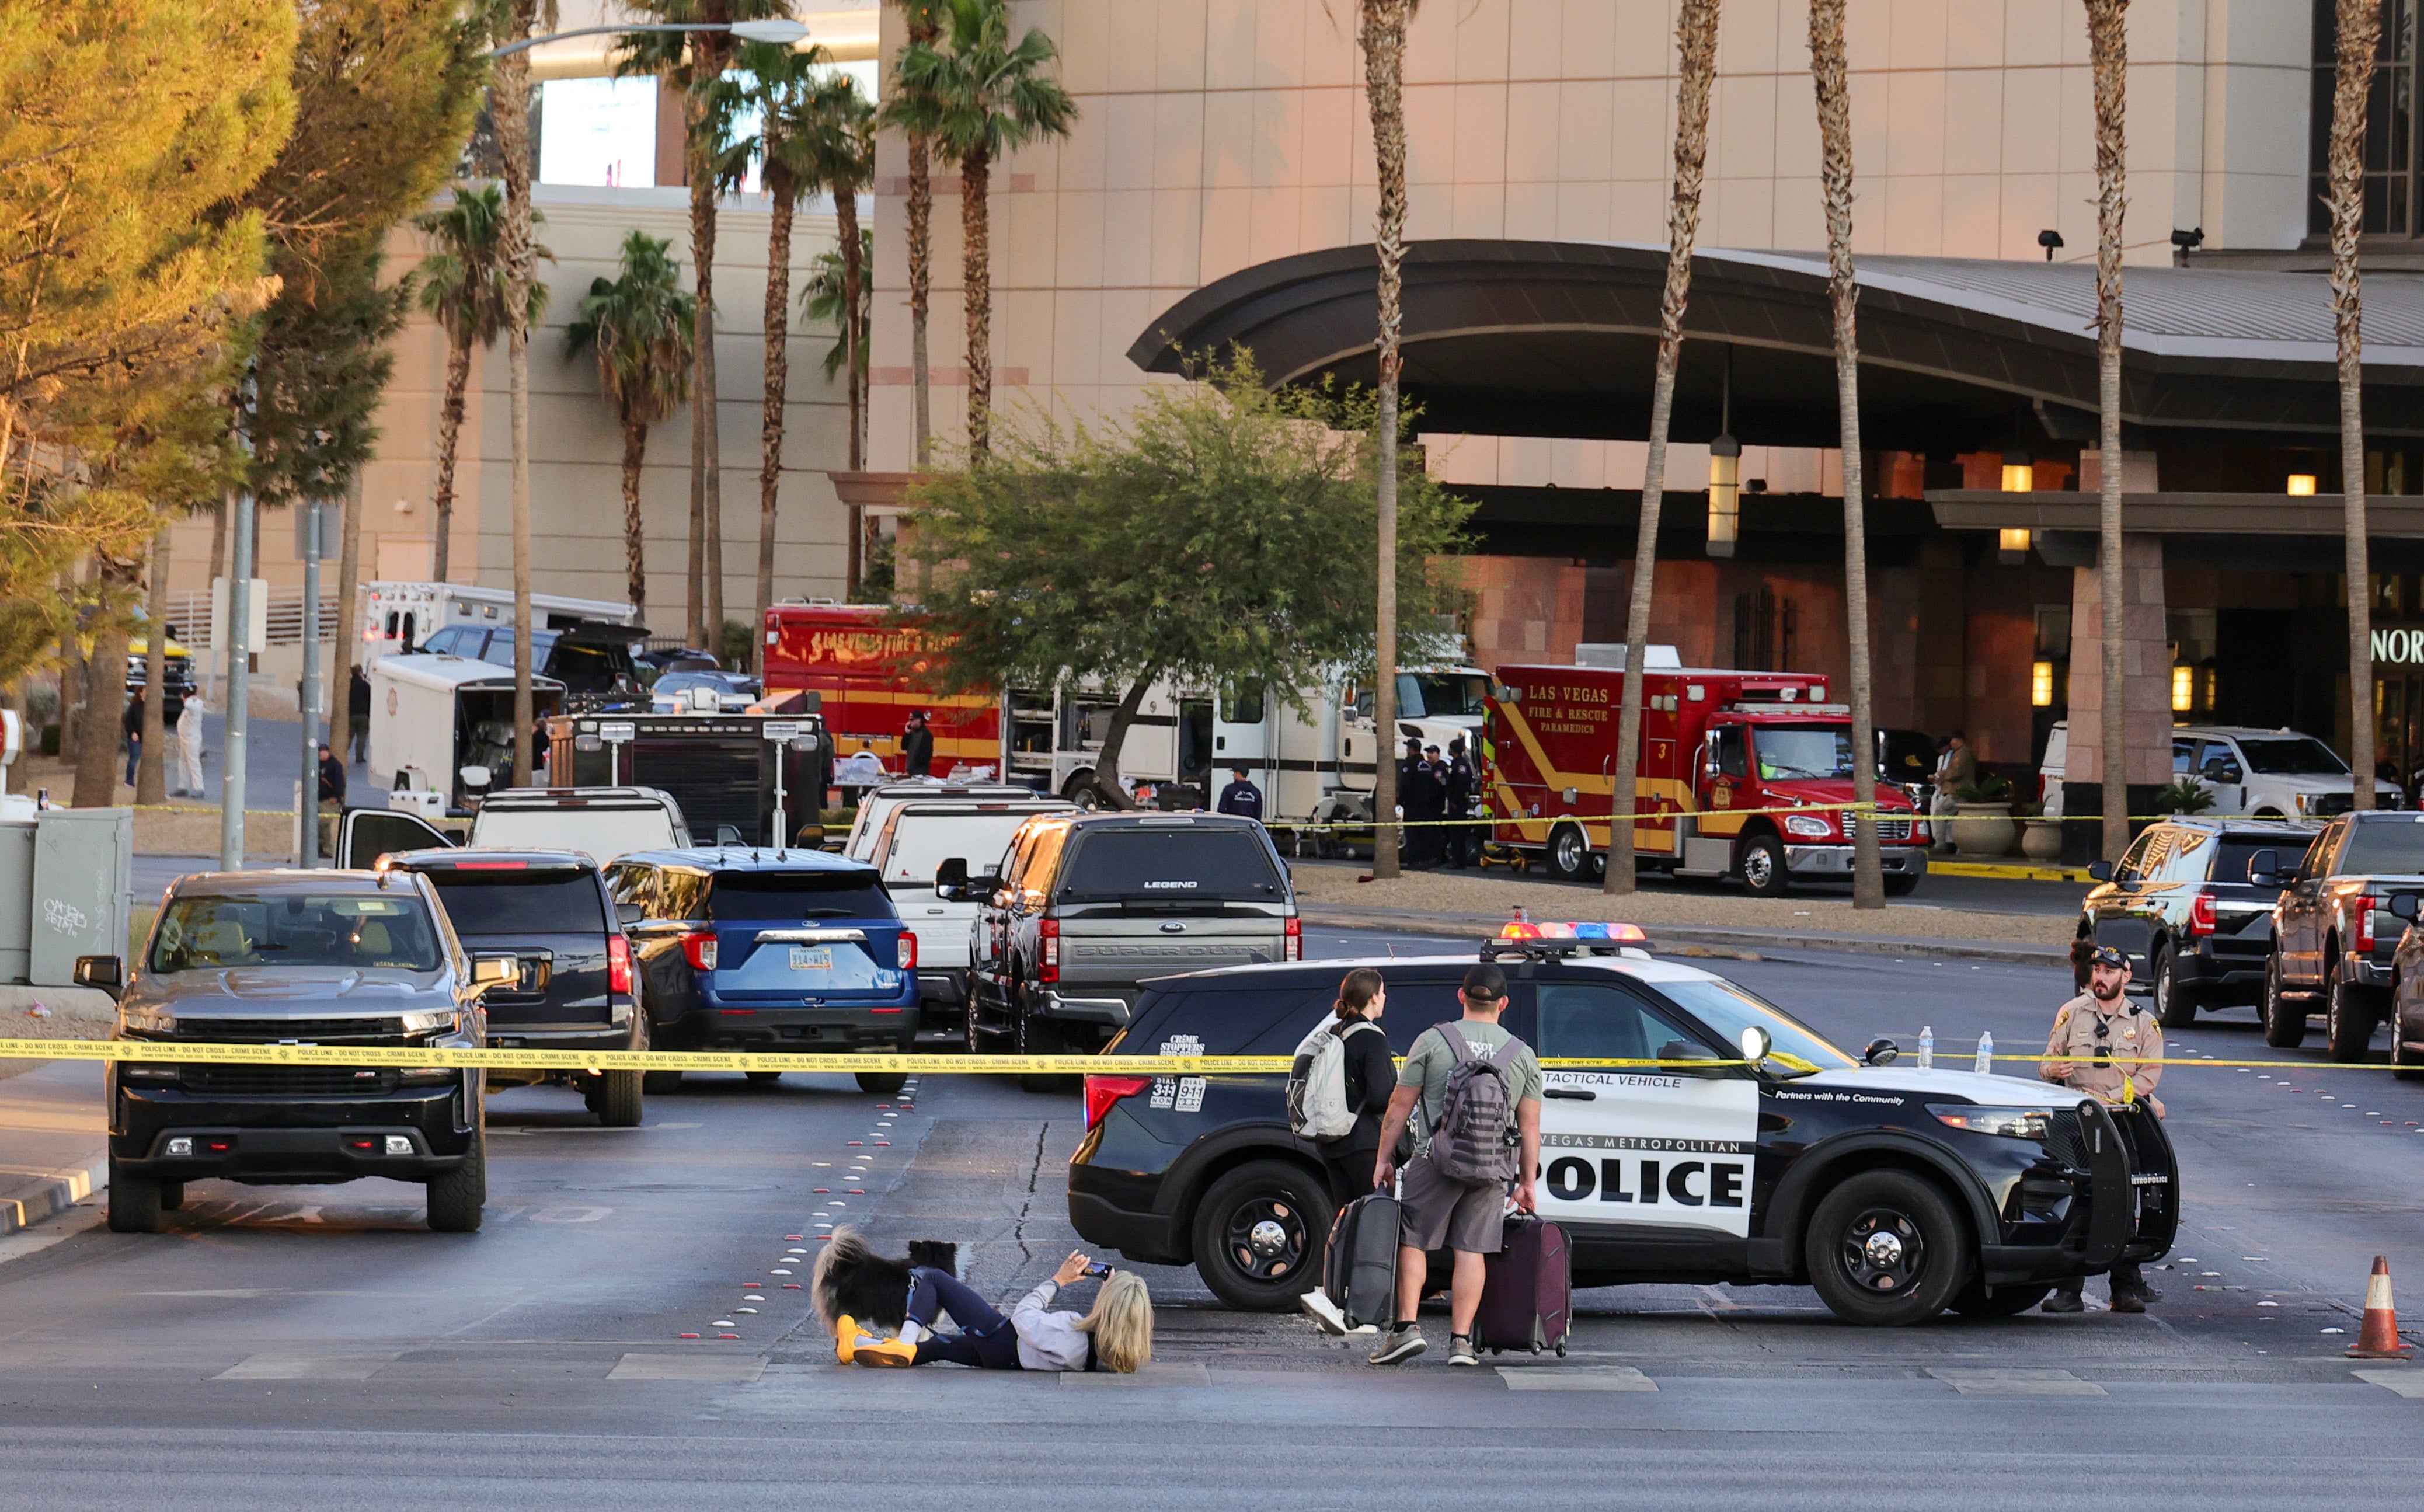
pixel 146 1021
pixel 432 1020
pixel 1810 826
pixel 2011 1122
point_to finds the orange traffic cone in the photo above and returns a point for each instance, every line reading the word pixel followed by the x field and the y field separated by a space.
pixel 2379 1337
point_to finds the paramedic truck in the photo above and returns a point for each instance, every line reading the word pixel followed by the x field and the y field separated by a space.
pixel 1742 775
pixel 864 668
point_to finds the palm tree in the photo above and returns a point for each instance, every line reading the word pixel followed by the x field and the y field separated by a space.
pixel 1696 53
pixel 2360 34
pixel 837 141
pixel 639 325
pixel 924 18
pixel 1382 33
pixel 2108 54
pixel 1834 91
pixel 980 98
pixel 833 286
pixel 694 62
pixel 461 285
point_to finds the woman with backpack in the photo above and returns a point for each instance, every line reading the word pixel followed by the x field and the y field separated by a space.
pixel 1351 1082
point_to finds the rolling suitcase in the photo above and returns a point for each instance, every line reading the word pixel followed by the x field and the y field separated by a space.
pixel 1527 1290
pixel 1360 1271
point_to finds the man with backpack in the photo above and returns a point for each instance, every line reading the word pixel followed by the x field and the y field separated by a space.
pixel 1478 1089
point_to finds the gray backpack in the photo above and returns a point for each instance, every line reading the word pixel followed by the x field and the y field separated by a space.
pixel 1475 1143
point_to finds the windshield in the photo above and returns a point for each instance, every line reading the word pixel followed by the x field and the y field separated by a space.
pixel 1180 863
pixel 348 930
pixel 918 843
pixel 2386 847
pixel 2290 756
pixel 1729 1009
pixel 601 833
pixel 1802 751
pixel 1441 694
pixel 517 900
pixel 757 897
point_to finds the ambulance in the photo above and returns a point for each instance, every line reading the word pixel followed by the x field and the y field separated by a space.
pixel 867 670
pixel 1741 773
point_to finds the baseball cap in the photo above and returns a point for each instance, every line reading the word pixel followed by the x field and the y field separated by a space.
pixel 2106 955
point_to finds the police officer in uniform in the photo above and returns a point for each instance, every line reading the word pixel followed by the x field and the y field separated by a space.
pixel 1242 797
pixel 2103 1046
pixel 1463 841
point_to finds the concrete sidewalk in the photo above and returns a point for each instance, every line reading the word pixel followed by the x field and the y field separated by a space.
pixel 53 1135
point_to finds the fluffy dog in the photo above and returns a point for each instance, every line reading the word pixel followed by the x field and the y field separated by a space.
pixel 851 1279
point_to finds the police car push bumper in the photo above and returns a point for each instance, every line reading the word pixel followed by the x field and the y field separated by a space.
pixel 1836 860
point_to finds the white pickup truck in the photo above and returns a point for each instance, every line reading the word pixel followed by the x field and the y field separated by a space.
pixel 914 841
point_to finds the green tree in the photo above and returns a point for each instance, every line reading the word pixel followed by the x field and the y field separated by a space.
pixel 639 327
pixel 461 285
pixel 694 62
pixel 828 292
pixel 1216 536
pixel 980 98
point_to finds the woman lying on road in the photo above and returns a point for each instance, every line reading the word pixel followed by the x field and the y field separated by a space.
pixel 853 1282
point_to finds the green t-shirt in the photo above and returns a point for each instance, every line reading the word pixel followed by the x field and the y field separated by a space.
pixel 1430 1059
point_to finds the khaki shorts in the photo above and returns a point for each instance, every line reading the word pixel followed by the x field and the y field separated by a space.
pixel 1436 1213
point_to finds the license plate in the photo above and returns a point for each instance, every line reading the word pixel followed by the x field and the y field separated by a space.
pixel 803 959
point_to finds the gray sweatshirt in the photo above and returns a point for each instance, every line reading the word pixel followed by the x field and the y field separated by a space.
pixel 1048 1341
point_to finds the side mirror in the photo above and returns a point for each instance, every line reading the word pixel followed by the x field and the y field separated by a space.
pixel 105 974
pixel 2264 869
pixel 2100 870
pixel 1756 1043
pixel 952 880
pixel 629 914
pixel 494 971
pixel 2404 905
pixel 1881 1051
pixel 1680 1050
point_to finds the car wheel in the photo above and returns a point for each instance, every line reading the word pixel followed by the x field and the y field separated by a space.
pixel 2347 1016
pixel 134 1201
pixel 172 1196
pixel 1761 861
pixel 763 1077
pixel 1039 1037
pixel 618 1099
pixel 882 1083
pixel 1901 886
pixel 657 1083
pixel 1974 1302
pixel 2174 1005
pixel 2404 1063
pixel 1886 1249
pixel 1569 854
pixel 1259 1234
pixel 2285 1020
pixel 457 1197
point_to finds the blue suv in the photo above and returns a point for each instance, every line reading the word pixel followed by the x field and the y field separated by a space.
pixel 754 949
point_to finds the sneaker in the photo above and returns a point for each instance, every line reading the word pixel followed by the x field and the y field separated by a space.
pixel 846 1337
pixel 1460 1350
pixel 869 1350
pixel 2065 1302
pixel 1318 1307
pixel 1399 1343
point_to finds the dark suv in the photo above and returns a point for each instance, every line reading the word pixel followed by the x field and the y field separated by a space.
pixel 2197 932
pixel 759 949
pixel 1090 905
pixel 548 913
pixel 2335 939
pixel 1893 1191
pixel 316 957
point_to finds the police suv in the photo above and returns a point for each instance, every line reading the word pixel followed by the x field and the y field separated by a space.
pixel 1893 1191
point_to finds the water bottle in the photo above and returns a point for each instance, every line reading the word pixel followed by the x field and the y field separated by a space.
pixel 1986 1066
pixel 1927 1048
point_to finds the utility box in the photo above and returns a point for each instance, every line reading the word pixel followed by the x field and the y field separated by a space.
pixel 82 893
pixel 16 900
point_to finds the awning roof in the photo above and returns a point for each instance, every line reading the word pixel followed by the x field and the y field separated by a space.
pixel 1559 338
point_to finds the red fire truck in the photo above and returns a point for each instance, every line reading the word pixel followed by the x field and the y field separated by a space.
pixel 1726 758
pixel 867 670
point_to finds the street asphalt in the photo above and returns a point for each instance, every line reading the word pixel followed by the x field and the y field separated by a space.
pixel 317 1346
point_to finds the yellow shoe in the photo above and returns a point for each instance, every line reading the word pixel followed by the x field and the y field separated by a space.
pixel 846 1337
pixel 891 1352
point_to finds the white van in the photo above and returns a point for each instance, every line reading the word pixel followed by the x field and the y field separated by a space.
pixel 2259 774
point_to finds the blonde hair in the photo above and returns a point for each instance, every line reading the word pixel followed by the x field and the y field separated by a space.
pixel 1122 1323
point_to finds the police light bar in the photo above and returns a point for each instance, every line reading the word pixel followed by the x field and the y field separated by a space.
pixel 1525 937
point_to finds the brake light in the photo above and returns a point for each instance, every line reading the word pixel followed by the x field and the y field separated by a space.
pixel 1048 932
pixel 618 964
pixel 1294 950
pixel 2366 904
pixel 1102 1091
pixel 908 950
pixel 2200 915
pixel 700 950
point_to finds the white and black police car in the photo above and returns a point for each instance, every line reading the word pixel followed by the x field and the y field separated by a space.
pixel 1895 1192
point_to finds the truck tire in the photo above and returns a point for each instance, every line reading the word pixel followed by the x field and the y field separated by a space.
pixel 134 1201
pixel 2348 1016
pixel 457 1197
pixel 657 1083
pixel 2175 1006
pixel 1038 1037
pixel 1973 1302
pixel 2285 1018
pixel 1886 1249
pixel 1901 886
pixel 172 1196
pixel 1568 852
pixel 2404 1063
pixel 620 1094
pixel 882 1083
pixel 1760 862
pixel 1259 1233
pixel 1079 790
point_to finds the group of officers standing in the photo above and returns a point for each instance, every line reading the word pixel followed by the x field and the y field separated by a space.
pixel 1434 786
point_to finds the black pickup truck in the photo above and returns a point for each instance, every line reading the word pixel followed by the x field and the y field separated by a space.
pixel 2335 939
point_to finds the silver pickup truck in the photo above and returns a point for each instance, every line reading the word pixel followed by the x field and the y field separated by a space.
pixel 1088 906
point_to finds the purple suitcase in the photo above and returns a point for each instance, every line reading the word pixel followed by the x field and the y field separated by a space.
pixel 1528 1291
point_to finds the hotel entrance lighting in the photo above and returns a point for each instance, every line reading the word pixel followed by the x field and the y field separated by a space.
pixel 2302 484
pixel 2019 477
pixel 1725 472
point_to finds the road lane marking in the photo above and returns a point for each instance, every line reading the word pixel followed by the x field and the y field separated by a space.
pixel 291 1365
pixel 2406 1383
pixel 2008 1382
pixel 1574 1378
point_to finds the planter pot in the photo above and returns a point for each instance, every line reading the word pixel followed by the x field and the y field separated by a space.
pixel 2041 839
pixel 1983 830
